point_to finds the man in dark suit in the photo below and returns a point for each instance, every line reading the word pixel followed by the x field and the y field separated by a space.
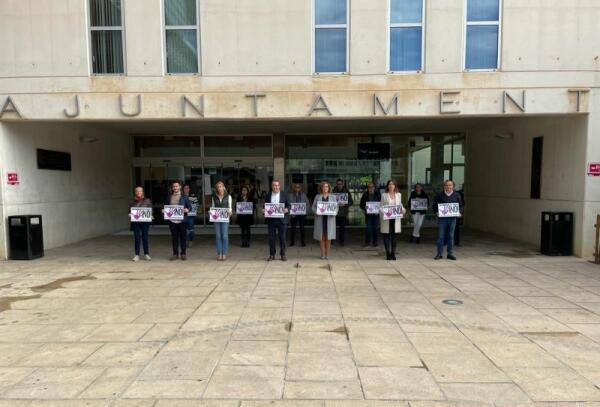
pixel 277 225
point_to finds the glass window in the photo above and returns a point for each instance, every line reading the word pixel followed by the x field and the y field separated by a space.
pixel 406 11
pixel 330 50
pixel 331 36
pixel 483 34
pixel 483 10
pixel 181 36
pixel 106 28
pixel 405 49
pixel 406 35
pixel 331 11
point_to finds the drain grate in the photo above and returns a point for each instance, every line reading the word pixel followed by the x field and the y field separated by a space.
pixel 452 302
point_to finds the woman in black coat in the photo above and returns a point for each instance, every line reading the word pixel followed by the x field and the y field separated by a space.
pixel 246 221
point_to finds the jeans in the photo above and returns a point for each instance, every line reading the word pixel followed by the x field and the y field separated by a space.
pixel 276 226
pixel 190 227
pixel 178 237
pixel 389 239
pixel 372 222
pixel 140 235
pixel 222 237
pixel 418 218
pixel 446 235
pixel 297 221
pixel 341 222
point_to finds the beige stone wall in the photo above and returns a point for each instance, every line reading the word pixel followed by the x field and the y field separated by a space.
pixel 91 200
pixel 271 38
pixel 498 177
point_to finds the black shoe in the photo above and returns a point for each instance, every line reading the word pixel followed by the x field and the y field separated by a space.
pixel 412 239
pixel 283 258
pixel 437 257
pixel 450 257
pixel 418 240
pixel 388 257
pixel 271 258
pixel 393 257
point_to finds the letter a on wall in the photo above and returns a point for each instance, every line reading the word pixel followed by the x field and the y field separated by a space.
pixel 9 107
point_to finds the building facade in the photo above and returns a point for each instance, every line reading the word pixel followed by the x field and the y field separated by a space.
pixel 499 95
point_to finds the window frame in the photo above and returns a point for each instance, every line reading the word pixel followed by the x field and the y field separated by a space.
pixel 92 28
pixel 166 27
pixel 316 26
pixel 391 25
pixel 467 23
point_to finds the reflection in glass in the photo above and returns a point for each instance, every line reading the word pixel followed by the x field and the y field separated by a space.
pixel 182 54
pixel 180 12
pixel 483 10
pixel 330 12
pixel 405 49
pixel 330 50
pixel 406 11
pixel 482 47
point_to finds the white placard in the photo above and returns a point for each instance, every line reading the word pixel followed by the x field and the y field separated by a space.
pixel 194 210
pixel 244 208
pixel 418 204
pixel 372 207
pixel 341 198
pixel 325 208
pixel 173 212
pixel 218 215
pixel 392 212
pixel 274 210
pixel 140 214
pixel 449 210
pixel 298 208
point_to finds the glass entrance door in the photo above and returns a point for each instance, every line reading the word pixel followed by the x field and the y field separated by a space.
pixel 254 173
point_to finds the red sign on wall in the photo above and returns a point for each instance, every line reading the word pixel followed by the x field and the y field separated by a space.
pixel 12 178
pixel 593 169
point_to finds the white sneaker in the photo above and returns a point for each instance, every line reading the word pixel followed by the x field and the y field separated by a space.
pixel 147 257
pixel 136 258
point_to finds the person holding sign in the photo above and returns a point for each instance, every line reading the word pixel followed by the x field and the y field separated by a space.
pixel 140 222
pixel 298 209
pixel 391 212
pixel 276 207
pixel 325 208
pixel 178 207
pixel 369 203
pixel 344 200
pixel 191 218
pixel 448 206
pixel 245 207
pixel 418 203
pixel 220 212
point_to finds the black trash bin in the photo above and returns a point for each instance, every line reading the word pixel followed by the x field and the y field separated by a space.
pixel 26 237
pixel 557 233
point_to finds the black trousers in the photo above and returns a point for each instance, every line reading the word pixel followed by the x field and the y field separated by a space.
pixel 245 229
pixel 389 239
pixel 178 236
pixel 341 222
pixel 297 222
pixel 276 227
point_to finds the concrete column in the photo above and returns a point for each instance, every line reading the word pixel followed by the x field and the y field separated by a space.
pixel 3 228
pixel 279 158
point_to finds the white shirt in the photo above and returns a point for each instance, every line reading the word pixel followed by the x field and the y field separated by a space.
pixel 275 197
pixel 448 194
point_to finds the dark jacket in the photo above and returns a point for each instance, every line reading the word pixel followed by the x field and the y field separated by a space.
pixel 246 220
pixel 283 198
pixel 413 195
pixel 441 197
pixel 375 197
pixel 343 210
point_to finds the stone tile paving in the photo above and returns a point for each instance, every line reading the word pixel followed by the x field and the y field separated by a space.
pixel 84 326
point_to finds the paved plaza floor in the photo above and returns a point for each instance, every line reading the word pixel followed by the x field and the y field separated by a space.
pixel 86 326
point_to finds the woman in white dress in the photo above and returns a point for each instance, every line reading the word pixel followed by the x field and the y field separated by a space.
pixel 389 228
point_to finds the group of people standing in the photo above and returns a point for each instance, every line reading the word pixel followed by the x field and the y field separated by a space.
pixel 327 226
